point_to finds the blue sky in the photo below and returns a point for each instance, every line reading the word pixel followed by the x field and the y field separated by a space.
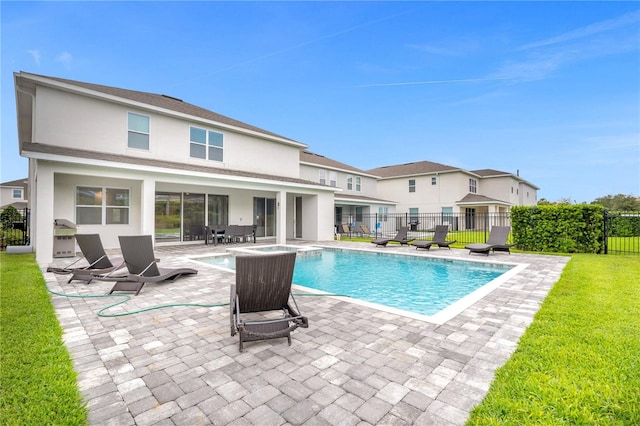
pixel 551 89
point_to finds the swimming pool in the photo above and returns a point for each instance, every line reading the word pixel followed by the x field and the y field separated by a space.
pixel 394 282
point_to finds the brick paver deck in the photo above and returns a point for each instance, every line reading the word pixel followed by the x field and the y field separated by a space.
pixel 354 365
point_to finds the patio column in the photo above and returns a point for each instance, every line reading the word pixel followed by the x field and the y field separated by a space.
pixel 281 217
pixel 147 207
pixel 42 213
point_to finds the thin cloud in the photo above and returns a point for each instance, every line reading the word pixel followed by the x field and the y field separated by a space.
pixel 596 28
pixel 417 83
pixel 35 55
pixel 65 58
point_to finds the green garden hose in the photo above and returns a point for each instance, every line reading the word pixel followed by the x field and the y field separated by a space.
pixel 126 298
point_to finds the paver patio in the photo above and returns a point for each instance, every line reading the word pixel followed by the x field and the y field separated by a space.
pixel 354 365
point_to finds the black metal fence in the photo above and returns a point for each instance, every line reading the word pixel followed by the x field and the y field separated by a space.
pixel 621 233
pixel 467 228
pixel 14 227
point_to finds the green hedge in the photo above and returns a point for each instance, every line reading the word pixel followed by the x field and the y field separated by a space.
pixel 559 228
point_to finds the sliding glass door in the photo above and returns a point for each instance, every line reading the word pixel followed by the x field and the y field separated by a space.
pixel 264 216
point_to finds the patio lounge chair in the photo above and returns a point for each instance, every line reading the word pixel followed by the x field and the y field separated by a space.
pixel 439 237
pixel 263 284
pixel 497 242
pixel 142 265
pixel 364 229
pixel 401 237
pixel 93 252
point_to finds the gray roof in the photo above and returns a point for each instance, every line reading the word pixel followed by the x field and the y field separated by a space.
pixel 411 169
pixel 166 102
pixel 115 158
pixel 476 198
pixel 490 172
pixel 364 198
pixel 16 183
pixel 321 160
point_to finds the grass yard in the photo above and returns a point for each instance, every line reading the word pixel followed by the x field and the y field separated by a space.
pixel 37 380
pixel 579 361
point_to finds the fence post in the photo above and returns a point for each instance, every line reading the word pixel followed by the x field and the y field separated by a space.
pixel 606 232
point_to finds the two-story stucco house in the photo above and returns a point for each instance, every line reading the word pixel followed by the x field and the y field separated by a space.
pixel 14 193
pixel 359 196
pixel 122 162
pixel 427 187
pixel 118 162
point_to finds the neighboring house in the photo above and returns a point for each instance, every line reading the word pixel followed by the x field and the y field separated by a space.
pixel 118 162
pixel 14 193
pixel 358 199
pixel 427 187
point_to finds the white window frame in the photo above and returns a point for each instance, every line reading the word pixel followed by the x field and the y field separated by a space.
pixel 103 206
pixel 473 186
pixel 333 178
pixel 349 183
pixel 138 131
pixel 19 192
pixel 322 176
pixel 358 184
pixel 434 180
pixel 412 185
pixel 208 144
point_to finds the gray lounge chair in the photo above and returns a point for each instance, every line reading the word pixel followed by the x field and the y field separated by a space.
pixel 142 265
pixel 439 237
pixel 497 242
pixel 263 284
pixel 401 237
pixel 93 252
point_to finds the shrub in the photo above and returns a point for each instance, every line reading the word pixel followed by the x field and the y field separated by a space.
pixel 558 228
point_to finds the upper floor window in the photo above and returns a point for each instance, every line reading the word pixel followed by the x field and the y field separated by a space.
pixel 333 178
pixel 322 176
pixel 206 144
pixel 412 185
pixel 138 131
pixel 358 183
pixel 434 180
pixel 102 206
pixel 349 182
pixel 16 194
pixel 473 186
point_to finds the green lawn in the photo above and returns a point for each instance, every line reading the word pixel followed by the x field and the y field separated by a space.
pixel 579 361
pixel 37 380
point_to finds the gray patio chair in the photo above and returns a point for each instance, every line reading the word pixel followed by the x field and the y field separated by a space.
pixel 497 242
pixel 263 285
pixel 99 263
pixel 401 237
pixel 439 237
pixel 142 265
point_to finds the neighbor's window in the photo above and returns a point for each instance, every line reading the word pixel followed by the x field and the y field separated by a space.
pixel 434 180
pixel 359 214
pixel 102 206
pixel 349 182
pixel 412 185
pixel 322 176
pixel 358 183
pixel 333 178
pixel 383 212
pixel 473 186
pixel 16 194
pixel 138 126
pixel 206 144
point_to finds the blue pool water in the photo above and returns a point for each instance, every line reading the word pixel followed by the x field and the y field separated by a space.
pixel 421 285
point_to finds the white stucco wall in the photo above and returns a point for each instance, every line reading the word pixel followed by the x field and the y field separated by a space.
pixel 70 120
